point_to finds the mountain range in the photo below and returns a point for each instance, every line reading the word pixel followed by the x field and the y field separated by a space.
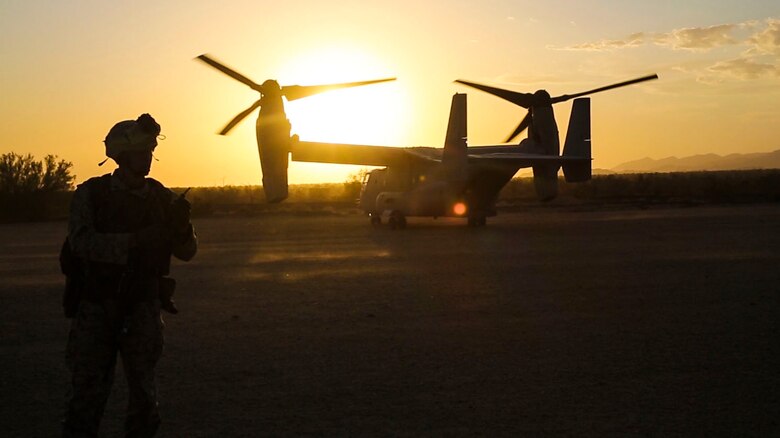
pixel 761 160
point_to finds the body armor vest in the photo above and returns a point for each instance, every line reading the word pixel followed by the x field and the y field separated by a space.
pixel 122 211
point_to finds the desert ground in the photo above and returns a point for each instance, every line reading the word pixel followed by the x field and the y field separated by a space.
pixel 548 322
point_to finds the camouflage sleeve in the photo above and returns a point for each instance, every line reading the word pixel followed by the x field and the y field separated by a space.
pixel 86 241
pixel 186 246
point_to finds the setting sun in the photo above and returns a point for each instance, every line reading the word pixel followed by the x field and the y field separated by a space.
pixel 371 114
pixel 374 114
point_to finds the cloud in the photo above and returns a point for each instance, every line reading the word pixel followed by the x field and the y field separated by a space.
pixel 764 40
pixel 754 52
pixel 698 38
pixel 744 68
pixel 633 40
pixel 691 38
pixel 768 39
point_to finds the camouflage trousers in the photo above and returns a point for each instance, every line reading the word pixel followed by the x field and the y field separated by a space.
pixel 99 332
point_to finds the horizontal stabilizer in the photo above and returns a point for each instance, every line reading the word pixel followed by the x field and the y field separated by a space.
pixel 522 157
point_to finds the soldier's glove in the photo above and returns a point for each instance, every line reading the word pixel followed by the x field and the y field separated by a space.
pixel 179 219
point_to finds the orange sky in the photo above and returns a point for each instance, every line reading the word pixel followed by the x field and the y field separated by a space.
pixel 73 69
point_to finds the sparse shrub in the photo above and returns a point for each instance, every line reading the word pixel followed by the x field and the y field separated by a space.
pixel 22 174
pixel 32 189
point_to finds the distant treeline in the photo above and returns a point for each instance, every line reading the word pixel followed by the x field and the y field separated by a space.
pixel 43 205
pixel 748 186
pixel 707 187
pixel 247 199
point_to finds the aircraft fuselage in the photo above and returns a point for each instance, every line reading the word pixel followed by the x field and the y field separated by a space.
pixel 425 194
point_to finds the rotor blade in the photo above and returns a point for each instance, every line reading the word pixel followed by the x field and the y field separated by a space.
pixel 522 99
pixel 230 72
pixel 566 97
pixel 521 127
pixel 293 92
pixel 239 118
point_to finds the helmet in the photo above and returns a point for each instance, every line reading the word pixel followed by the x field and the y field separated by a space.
pixel 132 135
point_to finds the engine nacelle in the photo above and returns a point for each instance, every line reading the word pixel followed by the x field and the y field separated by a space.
pixel 546 181
pixel 274 144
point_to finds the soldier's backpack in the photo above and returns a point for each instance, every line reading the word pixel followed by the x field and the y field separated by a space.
pixel 71 265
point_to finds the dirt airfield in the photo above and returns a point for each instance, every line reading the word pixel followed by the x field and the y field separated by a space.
pixel 658 322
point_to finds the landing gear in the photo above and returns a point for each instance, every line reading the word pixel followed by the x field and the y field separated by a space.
pixel 477 221
pixel 397 220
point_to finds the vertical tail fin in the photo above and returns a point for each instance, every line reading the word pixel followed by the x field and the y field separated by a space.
pixel 455 155
pixel 578 142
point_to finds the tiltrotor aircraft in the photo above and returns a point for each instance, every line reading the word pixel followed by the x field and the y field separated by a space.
pixel 456 181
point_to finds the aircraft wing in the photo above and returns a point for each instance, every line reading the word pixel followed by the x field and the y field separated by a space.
pixel 340 153
pixel 366 155
pixel 431 155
